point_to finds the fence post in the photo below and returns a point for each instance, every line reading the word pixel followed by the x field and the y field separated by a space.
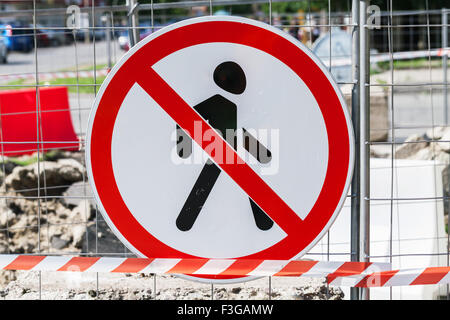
pixel 355 200
pixel 364 137
pixel 133 32
pixel 444 60
pixel 106 20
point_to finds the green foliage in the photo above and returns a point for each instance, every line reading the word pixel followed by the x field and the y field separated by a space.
pixel 86 84
pixel 25 161
pixel 407 64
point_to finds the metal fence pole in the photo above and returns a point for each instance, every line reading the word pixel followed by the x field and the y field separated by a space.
pixel 355 201
pixel 445 94
pixel 133 32
pixel 108 39
pixel 444 60
pixel 364 136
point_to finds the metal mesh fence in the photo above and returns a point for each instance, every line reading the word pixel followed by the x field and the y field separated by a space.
pixel 43 213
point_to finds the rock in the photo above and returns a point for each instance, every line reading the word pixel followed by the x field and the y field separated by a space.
pixel 26 224
pixel 58 243
pixel 317 293
pixel 6 215
pixel 408 149
pixel 436 133
pixel 236 290
pixel 77 156
pixel 54 177
pixel 82 213
pixel 73 195
pixel 71 170
pixel 107 243
pixel 51 208
pixel 24 245
pixel 3 247
pixel 7 166
pixel 118 287
pixel 445 146
pixel 380 151
pixel 422 154
pixel 78 235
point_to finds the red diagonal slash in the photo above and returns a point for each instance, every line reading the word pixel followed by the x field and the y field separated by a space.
pixel 185 116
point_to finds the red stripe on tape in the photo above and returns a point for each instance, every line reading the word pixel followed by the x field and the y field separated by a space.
pixel 348 269
pixel 295 268
pixel 241 267
pixel 188 266
pixel 431 275
pixel 132 265
pixel 79 264
pixel 376 279
pixel 24 262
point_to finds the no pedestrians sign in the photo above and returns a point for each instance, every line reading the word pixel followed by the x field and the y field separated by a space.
pixel 219 137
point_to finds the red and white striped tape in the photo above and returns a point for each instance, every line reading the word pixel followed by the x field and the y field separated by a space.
pixel 352 274
pixel 405 277
pixel 380 57
pixel 232 267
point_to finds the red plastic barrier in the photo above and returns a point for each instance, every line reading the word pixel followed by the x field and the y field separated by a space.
pixel 18 127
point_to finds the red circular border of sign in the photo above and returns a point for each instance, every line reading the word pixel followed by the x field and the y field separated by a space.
pixel 232 32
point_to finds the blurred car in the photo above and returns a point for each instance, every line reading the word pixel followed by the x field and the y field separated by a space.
pixel 16 37
pixel 3 51
pixel 20 37
pixel 124 42
pixel 43 40
pixel 100 34
pixel 56 37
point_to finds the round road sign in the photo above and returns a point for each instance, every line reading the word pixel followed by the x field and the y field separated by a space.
pixel 219 137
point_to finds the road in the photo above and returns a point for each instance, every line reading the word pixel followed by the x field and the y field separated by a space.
pixel 61 58
pixel 52 59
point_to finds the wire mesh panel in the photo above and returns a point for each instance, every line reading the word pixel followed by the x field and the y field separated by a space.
pixel 407 212
pixel 60 52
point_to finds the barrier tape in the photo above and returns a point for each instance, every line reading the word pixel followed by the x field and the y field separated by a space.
pixel 405 277
pixel 231 267
pixel 380 57
pixel 351 274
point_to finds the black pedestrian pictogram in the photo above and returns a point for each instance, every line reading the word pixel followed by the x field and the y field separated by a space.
pixel 221 114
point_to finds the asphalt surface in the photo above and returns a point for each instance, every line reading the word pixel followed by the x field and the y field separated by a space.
pixel 51 59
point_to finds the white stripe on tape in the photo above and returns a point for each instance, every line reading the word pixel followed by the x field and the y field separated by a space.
pixel 51 263
pixel 106 265
pixel 215 266
pixel 403 277
pixel 160 265
pixel 268 268
pixel 7 259
pixel 445 279
pixel 322 269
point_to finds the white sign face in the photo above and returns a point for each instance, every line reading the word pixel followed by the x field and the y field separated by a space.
pixel 207 140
